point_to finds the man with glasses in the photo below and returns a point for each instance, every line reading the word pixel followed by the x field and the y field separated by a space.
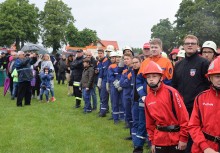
pixel 189 75
pixel 209 50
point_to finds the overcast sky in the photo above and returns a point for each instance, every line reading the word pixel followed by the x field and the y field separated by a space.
pixel 127 21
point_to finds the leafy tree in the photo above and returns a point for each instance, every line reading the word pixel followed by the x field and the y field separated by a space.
pixel 199 17
pixel 137 50
pixel 18 22
pixel 55 19
pixel 164 31
pixel 72 35
pixel 86 37
pixel 80 38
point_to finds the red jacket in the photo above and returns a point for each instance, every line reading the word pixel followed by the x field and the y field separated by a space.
pixel 205 117
pixel 158 108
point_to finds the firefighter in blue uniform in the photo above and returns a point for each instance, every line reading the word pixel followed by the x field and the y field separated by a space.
pixel 102 80
pixel 125 83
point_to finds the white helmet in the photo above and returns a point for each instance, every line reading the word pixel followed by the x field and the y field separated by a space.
pixel 110 48
pixel 120 53
pixel 127 47
pixel 181 53
pixel 210 44
pixel 163 54
pixel 112 54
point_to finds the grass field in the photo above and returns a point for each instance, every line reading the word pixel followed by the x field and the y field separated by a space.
pixel 57 128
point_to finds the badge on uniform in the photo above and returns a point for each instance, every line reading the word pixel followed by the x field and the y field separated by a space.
pixel 192 72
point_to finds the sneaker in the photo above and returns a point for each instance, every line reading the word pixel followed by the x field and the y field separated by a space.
pixel 48 101
pixel 53 99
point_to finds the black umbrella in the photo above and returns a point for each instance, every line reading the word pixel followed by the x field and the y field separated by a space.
pixel 34 47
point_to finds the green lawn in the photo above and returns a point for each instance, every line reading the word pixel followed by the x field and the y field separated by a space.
pixel 57 128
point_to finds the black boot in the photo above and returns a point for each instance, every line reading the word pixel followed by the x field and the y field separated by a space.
pixel 138 150
pixel 77 103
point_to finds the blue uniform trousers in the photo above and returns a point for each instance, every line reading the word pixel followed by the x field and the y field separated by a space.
pixel 141 133
pixel 104 96
pixel 135 116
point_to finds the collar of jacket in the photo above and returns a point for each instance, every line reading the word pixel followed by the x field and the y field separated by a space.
pixel 192 56
pixel 158 89
pixel 214 91
pixel 155 58
pixel 136 71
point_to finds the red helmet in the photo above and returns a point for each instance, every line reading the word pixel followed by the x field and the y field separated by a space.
pixel 152 67
pixel 214 67
pixel 146 45
pixel 174 51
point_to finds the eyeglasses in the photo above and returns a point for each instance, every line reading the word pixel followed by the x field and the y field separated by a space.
pixel 192 44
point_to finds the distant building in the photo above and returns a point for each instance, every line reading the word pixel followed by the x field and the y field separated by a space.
pixel 93 47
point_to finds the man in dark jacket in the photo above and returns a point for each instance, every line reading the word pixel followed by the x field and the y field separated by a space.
pixel 25 75
pixel 189 75
pixel 93 90
pixel 87 84
pixel 77 69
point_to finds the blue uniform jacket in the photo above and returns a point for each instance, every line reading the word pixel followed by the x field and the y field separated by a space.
pixel 103 68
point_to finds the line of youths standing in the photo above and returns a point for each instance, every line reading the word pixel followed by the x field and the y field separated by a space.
pixel 141 94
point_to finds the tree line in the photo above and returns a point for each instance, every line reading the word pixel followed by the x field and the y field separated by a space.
pixel 197 17
pixel 22 22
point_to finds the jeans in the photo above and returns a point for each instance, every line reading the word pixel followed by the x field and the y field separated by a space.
pixel 15 89
pixel 87 99
pixel 46 92
pixel 94 97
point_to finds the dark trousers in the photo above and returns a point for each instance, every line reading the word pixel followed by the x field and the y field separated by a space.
pixel 77 94
pixel 61 77
pixel 168 149
pixel 24 91
pixel 190 141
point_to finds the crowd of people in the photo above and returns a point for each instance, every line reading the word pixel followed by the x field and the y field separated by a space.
pixel 169 101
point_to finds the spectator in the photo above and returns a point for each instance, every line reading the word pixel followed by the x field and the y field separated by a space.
pixel 25 75
pixel 61 69
pixel 87 84
pixel 45 86
pixel 47 63
pixel 93 90
pixel 69 60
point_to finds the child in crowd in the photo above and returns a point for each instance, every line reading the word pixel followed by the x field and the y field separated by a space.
pixel 87 84
pixel 14 75
pixel 45 86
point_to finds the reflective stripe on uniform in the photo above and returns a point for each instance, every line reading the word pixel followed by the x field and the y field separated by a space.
pixel 133 133
pixel 141 104
pixel 78 98
pixel 76 83
pixel 115 112
pixel 104 108
pixel 140 137
pixel 140 88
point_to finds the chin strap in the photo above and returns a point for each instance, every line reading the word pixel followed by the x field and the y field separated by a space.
pixel 153 86
pixel 216 88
